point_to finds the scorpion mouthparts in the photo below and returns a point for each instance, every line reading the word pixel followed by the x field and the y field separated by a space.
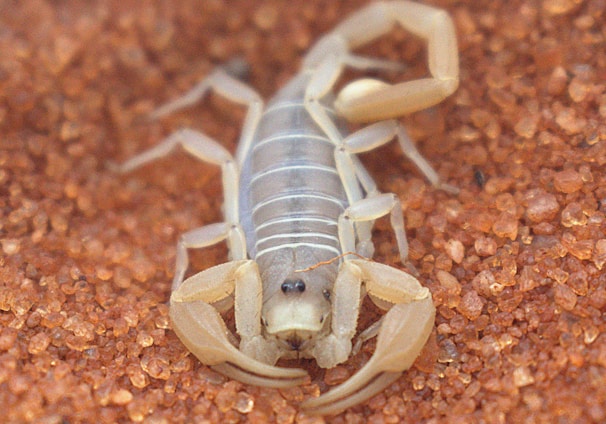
pixel 295 342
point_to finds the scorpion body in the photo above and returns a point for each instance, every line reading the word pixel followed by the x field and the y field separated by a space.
pixel 291 198
pixel 298 214
pixel 290 186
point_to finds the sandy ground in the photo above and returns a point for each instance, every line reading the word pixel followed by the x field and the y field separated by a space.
pixel 515 262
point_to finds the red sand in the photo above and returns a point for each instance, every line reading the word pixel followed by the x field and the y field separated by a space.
pixel 515 262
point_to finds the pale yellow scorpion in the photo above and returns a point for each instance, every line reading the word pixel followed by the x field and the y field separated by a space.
pixel 298 213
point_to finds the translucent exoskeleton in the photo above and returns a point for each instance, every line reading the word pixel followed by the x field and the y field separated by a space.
pixel 299 209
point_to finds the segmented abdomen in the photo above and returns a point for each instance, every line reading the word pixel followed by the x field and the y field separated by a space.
pixel 294 194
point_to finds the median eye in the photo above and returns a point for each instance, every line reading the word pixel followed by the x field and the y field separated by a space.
pixel 289 286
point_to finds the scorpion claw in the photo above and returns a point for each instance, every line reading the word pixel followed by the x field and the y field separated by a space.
pixel 260 374
pixel 203 331
pixel 347 395
pixel 404 332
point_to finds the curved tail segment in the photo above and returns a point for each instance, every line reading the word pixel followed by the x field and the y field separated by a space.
pixel 369 100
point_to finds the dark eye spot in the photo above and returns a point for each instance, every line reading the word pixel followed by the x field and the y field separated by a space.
pixel 326 294
pixel 293 286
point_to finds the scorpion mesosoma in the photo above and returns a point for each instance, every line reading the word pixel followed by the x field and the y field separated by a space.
pixel 299 207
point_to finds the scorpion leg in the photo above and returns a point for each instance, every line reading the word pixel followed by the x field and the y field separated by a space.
pixel 380 133
pixel 230 88
pixel 203 331
pixel 404 330
pixel 204 237
pixel 371 209
pixel 353 173
pixel 413 154
pixel 207 150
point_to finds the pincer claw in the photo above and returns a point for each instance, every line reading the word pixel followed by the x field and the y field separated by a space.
pixel 404 332
pixel 203 331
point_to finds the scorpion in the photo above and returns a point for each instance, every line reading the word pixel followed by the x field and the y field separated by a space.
pixel 299 207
